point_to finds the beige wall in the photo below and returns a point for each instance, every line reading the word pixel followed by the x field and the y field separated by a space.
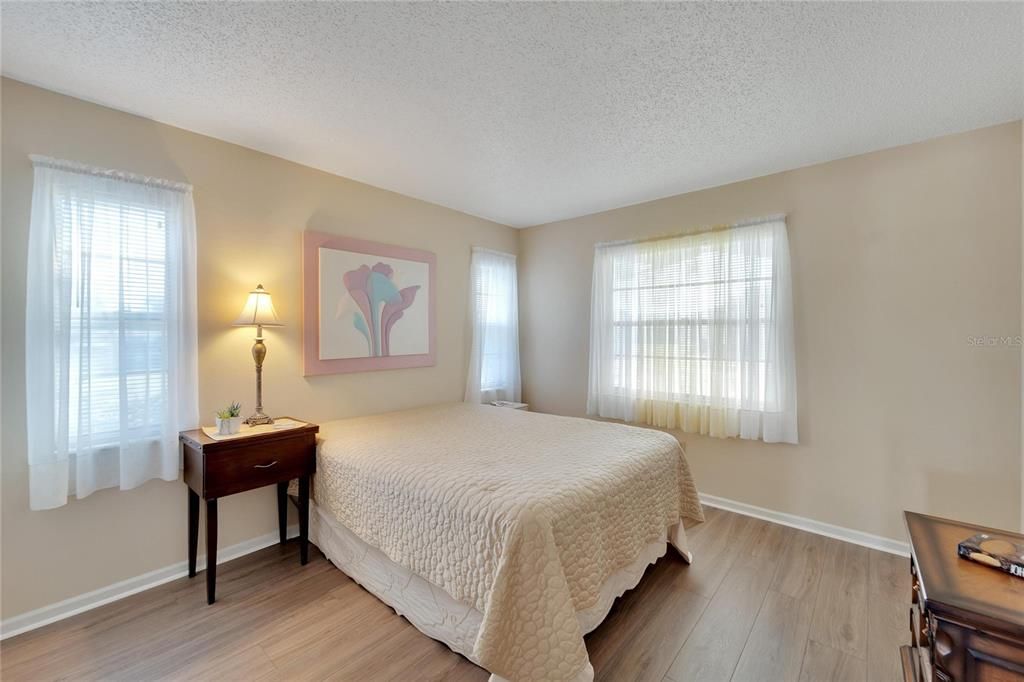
pixel 251 210
pixel 898 257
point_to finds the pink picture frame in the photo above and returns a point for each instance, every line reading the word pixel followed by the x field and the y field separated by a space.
pixel 312 363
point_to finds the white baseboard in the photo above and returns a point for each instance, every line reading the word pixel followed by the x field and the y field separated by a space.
pixel 90 600
pixel 810 525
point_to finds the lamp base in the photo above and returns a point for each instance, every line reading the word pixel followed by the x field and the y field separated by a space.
pixel 259 419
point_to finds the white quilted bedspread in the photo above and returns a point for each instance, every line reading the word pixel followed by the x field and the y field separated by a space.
pixel 521 515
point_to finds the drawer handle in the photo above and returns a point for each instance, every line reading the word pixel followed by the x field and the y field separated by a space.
pixel 264 466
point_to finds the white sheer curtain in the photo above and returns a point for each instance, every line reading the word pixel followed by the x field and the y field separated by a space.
pixel 696 333
pixel 111 356
pixel 494 314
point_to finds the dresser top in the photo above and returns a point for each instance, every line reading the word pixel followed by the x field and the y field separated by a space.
pixel 960 587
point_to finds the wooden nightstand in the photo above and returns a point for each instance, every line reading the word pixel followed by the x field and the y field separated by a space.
pixel 217 468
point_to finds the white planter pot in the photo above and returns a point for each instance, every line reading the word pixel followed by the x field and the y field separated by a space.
pixel 226 427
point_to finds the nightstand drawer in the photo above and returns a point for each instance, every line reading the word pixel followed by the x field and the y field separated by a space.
pixel 238 469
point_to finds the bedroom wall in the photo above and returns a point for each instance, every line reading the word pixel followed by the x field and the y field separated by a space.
pixel 251 209
pixel 899 257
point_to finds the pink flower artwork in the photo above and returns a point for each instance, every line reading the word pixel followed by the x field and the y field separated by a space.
pixel 367 286
pixel 380 304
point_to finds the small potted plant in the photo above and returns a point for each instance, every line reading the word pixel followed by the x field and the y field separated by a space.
pixel 229 420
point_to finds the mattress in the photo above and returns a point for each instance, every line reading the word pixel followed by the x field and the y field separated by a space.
pixel 528 519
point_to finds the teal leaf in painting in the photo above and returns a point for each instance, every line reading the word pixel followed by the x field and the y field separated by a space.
pixel 359 322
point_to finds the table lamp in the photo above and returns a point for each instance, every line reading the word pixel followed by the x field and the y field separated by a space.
pixel 258 312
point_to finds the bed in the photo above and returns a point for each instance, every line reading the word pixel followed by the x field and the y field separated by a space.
pixel 506 535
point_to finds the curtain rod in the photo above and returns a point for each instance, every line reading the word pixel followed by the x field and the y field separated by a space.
pixel 495 252
pixel 698 230
pixel 85 169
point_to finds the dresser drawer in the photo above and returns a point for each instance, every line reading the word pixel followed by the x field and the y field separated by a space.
pixel 245 468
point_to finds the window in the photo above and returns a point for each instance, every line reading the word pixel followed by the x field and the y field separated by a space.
pixel 110 330
pixel 696 333
pixel 494 311
pixel 116 318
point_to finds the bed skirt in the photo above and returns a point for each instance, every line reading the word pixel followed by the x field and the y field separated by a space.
pixel 437 614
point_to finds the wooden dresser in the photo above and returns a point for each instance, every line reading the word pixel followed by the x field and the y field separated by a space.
pixel 966 620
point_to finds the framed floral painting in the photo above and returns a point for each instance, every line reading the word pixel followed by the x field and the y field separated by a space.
pixel 366 305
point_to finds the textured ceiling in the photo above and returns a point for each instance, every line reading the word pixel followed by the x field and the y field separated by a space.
pixel 529 113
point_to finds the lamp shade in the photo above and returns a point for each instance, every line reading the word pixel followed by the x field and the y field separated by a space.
pixel 258 310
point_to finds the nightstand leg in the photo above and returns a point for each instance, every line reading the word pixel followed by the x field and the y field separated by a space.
pixel 282 510
pixel 211 550
pixel 304 519
pixel 193 531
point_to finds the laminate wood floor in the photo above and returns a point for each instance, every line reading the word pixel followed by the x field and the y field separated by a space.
pixel 760 602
